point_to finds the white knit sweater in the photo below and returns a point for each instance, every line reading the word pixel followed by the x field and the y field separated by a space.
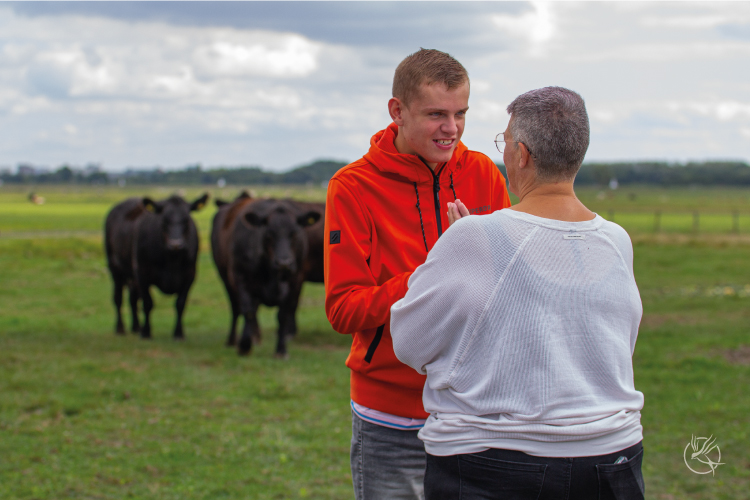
pixel 525 328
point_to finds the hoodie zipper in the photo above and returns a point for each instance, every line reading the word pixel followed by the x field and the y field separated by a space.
pixel 436 190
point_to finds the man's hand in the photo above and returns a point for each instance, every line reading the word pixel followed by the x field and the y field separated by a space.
pixel 456 211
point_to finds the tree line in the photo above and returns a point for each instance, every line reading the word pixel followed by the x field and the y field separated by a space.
pixel 729 173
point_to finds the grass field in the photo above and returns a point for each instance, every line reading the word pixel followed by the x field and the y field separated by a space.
pixel 87 414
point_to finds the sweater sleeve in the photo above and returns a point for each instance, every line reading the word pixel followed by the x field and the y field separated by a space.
pixel 354 299
pixel 432 324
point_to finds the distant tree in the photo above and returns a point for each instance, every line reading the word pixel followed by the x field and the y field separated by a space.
pixel 728 173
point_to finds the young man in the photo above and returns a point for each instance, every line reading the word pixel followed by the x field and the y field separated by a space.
pixel 384 213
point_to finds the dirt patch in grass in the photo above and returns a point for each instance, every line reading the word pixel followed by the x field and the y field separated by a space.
pixel 654 321
pixel 739 356
pixel 157 354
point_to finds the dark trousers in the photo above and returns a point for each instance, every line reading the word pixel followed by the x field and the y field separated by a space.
pixel 514 475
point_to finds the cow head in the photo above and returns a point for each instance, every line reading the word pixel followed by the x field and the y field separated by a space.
pixel 174 215
pixel 284 240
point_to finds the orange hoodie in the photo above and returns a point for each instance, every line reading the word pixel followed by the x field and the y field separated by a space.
pixel 383 213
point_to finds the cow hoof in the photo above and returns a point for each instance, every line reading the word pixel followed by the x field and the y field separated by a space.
pixel 119 332
pixel 245 346
pixel 145 336
pixel 179 338
pixel 284 356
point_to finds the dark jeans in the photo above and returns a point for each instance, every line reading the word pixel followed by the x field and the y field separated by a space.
pixel 514 475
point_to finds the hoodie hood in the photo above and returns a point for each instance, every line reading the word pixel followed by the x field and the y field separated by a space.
pixel 386 158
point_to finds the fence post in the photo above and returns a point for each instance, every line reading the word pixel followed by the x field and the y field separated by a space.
pixel 657 221
pixel 735 221
pixel 696 221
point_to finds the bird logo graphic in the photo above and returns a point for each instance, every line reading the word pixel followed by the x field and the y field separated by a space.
pixel 705 452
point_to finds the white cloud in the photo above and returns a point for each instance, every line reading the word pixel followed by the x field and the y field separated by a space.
pixel 663 52
pixel 103 57
pixel 722 110
pixel 63 72
pixel 294 57
pixel 602 115
pixel 536 27
pixel 699 22
pixel 660 80
pixel 175 85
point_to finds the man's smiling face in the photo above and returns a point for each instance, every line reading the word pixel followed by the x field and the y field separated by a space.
pixel 432 124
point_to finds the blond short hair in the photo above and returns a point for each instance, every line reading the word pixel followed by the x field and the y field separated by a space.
pixel 426 66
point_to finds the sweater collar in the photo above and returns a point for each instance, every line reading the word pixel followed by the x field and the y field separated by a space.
pixel 386 158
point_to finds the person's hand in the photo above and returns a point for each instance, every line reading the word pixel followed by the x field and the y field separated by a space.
pixel 456 211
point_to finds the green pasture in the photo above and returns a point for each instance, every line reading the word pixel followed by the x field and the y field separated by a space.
pixel 77 210
pixel 87 414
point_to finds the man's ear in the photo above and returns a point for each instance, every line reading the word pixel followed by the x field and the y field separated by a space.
pixel 151 205
pixel 395 108
pixel 524 159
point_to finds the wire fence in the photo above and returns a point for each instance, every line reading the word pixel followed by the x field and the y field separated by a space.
pixel 685 222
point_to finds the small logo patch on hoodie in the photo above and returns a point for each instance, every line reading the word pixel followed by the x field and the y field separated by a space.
pixel 335 237
pixel 480 210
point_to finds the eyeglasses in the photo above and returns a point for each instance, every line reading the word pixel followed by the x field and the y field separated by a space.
pixel 500 143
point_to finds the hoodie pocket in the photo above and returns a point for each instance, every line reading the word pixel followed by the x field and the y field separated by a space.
pixel 374 344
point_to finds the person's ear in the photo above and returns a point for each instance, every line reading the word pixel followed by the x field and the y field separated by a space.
pixel 395 108
pixel 524 159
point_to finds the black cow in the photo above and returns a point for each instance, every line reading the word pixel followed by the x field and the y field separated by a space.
pixel 220 241
pixel 262 251
pixel 119 232
pixel 152 243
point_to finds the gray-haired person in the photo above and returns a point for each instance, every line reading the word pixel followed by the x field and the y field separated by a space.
pixel 524 322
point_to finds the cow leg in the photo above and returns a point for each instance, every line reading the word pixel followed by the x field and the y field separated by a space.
pixel 232 339
pixel 119 326
pixel 180 307
pixel 291 318
pixel 287 321
pixel 133 295
pixel 148 304
pixel 251 330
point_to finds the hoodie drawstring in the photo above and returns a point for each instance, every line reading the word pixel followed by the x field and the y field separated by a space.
pixel 421 223
pixel 454 191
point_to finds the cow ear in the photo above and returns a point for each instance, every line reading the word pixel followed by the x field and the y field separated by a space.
pixel 152 206
pixel 220 203
pixel 254 220
pixel 199 203
pixel 308 219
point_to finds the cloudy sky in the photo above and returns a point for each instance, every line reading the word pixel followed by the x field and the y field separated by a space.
pixel 280 84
